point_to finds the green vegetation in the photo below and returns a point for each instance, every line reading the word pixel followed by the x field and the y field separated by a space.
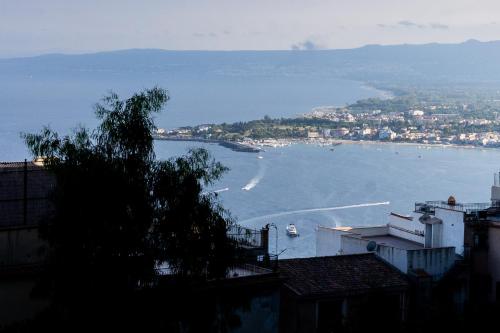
pixel 120 215
pixel 420 116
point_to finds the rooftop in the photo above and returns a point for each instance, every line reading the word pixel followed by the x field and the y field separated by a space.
pixel 340 275
pixel 468 208
pixel 14 166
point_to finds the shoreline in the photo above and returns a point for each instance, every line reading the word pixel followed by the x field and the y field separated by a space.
pixel 256 146
pixel 335 142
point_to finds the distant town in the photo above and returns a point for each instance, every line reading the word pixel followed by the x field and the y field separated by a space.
pixel 412 118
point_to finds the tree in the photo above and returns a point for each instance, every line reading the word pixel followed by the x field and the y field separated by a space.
pixel 120 213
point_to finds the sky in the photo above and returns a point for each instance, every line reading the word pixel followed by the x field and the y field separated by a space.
pixel 32 27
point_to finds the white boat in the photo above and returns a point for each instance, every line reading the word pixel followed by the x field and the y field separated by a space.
pixel 291 230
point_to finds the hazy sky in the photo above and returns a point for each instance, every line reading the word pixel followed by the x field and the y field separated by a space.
pixel 30 27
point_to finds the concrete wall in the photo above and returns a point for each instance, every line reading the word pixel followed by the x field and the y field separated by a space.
pixel 453 229
pixel 20 246
pixel 396 257
pixel 494 260
pixel 328 241
pixel 353 245
pixel 404 228
pixel 437 235
pixel 435 262
pixel 261 315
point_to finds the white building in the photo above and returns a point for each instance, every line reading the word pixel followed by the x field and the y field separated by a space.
pixel 386 134
pixel 428 241
pixel 416 113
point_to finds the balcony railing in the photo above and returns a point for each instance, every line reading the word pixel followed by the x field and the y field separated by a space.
pixel 468 208
pixel 245 236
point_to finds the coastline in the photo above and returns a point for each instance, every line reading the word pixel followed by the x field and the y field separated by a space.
pixel 276 143
pixel 256 146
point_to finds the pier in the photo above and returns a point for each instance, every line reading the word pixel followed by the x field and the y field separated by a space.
pixel 235 146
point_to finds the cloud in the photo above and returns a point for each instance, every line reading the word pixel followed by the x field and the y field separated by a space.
pixel 411 24
pixel 307 45
pixel 203 35
pixel 439 26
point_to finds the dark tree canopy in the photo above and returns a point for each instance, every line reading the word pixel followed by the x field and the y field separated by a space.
pixel 120 214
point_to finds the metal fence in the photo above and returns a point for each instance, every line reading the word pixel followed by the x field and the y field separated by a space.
pixel 468 208
pixel 245 236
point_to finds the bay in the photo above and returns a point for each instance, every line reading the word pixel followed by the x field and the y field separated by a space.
pixel 305 177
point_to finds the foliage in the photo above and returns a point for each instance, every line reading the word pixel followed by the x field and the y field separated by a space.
pixel 120 213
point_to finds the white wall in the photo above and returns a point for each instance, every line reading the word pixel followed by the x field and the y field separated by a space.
pixel 404 228
pixel 396 257
pixel 453 229
pixel 328 241
pixel 353 245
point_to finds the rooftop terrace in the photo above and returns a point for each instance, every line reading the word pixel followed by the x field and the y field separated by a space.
pixel 467 208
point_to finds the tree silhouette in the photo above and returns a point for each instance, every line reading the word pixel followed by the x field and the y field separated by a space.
pixel 120 214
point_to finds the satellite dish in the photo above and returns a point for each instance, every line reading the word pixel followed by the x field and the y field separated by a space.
pixel 371 246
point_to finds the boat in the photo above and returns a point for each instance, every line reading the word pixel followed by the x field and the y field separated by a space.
pixel 291 230
pixel 260 157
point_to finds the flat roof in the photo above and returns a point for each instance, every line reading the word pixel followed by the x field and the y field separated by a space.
pixel 394 241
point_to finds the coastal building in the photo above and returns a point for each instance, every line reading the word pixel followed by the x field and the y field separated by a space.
pixel 341 293
pixel 313 134
pixel 482 249
pixel 340 132
pixel 454 246
pixel 402 242
pixel 416 113
pixel 386 134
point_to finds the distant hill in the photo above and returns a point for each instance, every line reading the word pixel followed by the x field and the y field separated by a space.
pixel 471 62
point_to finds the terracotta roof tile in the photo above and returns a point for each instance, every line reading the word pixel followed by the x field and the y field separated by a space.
pixel 346 274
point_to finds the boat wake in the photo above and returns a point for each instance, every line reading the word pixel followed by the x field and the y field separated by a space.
pixel 312 210
pixel 255 180
pixel 217 191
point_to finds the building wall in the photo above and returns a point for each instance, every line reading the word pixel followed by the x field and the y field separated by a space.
pixel 396 257
pixel 20 246
pixel 453 229
pixel 353 245
pixel 494 260
pixel 435 262
pixel 404 228
pixel 24 192
pixel 260 315
pixel 328 241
